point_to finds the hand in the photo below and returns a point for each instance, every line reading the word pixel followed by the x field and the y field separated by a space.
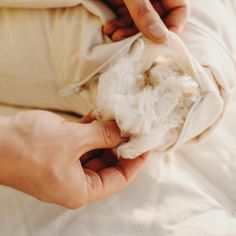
pixel 151 17
pixel 44 155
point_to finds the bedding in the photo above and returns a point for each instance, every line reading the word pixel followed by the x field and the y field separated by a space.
pixel 155 94
pixel 189 191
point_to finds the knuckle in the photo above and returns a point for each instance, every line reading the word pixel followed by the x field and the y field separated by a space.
pixel 51 175
pixel 143 11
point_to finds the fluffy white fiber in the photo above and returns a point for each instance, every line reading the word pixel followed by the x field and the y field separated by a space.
pixel 149 99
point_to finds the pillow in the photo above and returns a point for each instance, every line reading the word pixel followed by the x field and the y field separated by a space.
pixel 159 96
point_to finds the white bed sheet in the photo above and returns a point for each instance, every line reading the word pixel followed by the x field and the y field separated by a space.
pixel 187 193
pixel 190 192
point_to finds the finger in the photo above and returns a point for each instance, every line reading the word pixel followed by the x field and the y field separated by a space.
pixel 178 12
pixel 90 155
pixel 123 22
pixel 158 8
pixel 111 180
pixel 176 20
pixel 147 20
pixel 99 135
pixel 170 5
pixel 87 119
pixel 108 159
pixel 95 165
pixel 110 27
pixel 121 34
pixel 122 11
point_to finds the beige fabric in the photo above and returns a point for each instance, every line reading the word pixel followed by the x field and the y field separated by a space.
pixel 53 70
pixel 43 51
pixel 185 193
pixel 39 3
pixel 6 110
pixel 44 4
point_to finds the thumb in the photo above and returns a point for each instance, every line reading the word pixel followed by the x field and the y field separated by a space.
pixel 101 134
pixel 147 20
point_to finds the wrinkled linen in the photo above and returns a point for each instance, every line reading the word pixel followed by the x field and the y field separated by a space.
pixel 188 191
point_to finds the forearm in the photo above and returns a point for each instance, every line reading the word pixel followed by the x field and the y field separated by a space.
pixel 6 148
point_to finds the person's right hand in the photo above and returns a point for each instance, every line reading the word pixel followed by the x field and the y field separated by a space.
pixel 50 158
pixel 151 17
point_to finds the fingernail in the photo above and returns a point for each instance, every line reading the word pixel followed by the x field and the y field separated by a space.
pixel 158 31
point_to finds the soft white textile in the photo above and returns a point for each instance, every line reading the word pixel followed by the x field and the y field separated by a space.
pixel 153 93
pixel 186 192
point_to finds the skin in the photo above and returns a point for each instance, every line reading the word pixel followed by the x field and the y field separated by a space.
pixel 71 164
pixel 152 17
pixel 60 162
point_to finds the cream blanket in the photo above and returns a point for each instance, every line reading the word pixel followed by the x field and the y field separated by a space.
pixel 186 192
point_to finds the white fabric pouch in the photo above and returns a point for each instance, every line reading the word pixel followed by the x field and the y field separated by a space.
pixel 159 96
